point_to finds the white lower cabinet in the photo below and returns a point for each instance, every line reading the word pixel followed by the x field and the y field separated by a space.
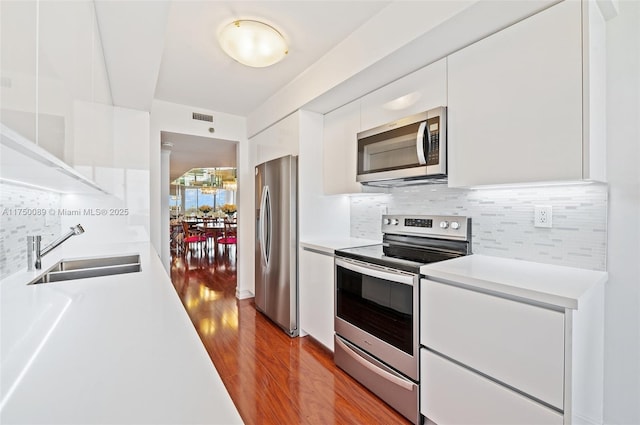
pixel 452 394
pixel 489 358
pixel 519 344
pixel 316 272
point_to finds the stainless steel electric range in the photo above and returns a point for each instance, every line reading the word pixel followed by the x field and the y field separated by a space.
pixel 377 303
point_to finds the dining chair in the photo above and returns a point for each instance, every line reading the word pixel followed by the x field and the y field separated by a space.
pixel 229 235
pixel 192 236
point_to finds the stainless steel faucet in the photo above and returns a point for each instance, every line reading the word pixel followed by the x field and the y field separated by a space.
pixel 33 247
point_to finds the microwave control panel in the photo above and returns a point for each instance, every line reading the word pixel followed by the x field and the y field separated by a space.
pixel 434 141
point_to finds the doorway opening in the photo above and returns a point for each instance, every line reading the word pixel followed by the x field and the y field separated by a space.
pixel 201 202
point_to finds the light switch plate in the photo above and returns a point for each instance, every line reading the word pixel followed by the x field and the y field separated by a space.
pixel 543 216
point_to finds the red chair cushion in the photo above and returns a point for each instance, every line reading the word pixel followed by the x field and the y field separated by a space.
pixel 228 240
pixel 191 239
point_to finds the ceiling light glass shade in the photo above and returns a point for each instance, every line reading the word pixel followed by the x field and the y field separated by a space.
pixel 253 43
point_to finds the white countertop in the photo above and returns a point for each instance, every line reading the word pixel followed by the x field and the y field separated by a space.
pixel 114 349
pixel 328 246
pixel 550 284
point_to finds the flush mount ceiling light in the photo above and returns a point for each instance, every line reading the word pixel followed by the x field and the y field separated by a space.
pixel 253 43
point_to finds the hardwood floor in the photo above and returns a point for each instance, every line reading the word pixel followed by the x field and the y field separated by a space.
pixel 272 379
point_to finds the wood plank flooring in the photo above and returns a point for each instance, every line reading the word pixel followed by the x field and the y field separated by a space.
pixel 272 379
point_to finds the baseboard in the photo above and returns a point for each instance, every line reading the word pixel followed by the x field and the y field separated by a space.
pixel 241 295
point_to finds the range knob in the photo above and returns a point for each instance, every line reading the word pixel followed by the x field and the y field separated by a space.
pixel 386 221
pixel 444 224
pixel 394 221
pixel 455 225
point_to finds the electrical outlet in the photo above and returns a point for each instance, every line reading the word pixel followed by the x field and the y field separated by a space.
pixel 542 216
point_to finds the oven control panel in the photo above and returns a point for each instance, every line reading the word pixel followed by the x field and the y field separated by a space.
pixel 436 226
pixel 418 222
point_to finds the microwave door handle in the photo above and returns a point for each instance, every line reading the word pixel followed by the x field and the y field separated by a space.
pixel 420 143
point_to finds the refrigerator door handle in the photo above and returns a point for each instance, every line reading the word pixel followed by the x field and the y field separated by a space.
pixel 265 220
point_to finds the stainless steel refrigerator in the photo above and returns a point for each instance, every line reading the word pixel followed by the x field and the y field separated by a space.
pixel 276 248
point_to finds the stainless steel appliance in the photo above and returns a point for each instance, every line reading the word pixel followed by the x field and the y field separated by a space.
pixel 276 247
pixel 377 303
pixel 410 149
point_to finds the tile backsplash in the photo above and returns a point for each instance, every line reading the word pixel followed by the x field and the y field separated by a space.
pixel 502 219
pixel 24 211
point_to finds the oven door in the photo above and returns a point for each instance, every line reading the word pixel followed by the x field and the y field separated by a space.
pixel 376 309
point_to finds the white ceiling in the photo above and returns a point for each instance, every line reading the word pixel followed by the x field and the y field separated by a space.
pixel 168 50
pixel 195 71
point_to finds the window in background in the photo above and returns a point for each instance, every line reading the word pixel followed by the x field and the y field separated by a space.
pixel 200 188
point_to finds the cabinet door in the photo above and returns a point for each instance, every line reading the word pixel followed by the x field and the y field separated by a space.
pixel 452 394
pixel 316 296
pixel 515 102
pixel 340 149
pixel 419 91
pixel 277 141
pixel 65 72
pixel 18 21
pixel 519 344
pixel 74 101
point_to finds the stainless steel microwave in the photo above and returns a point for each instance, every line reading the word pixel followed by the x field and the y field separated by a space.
pixel 404 151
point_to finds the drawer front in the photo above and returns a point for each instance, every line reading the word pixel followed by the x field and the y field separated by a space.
pixel 451 394
pixel 516 343
pixel 396 390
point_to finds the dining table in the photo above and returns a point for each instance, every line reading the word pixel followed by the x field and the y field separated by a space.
pixel 213 228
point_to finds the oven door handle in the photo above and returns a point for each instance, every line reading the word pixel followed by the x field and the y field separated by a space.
pixel 380 372
pixel 404 278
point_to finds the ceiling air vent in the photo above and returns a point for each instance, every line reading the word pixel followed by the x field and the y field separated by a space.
pixel 202 117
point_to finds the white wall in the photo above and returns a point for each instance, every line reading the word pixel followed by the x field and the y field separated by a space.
pixel 172 117
pixel 622 292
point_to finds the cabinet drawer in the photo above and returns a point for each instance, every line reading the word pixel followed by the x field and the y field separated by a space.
pixel 451 394
pixel 516 343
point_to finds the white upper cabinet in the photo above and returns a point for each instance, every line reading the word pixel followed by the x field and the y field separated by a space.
pixel 18 30
pixel 279 140
pixel 516 103
pixel 419 91
pixel 52 70
pixel 72 77
pixel 340 149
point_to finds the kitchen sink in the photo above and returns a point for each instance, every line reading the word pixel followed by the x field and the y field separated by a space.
pixel 90 267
